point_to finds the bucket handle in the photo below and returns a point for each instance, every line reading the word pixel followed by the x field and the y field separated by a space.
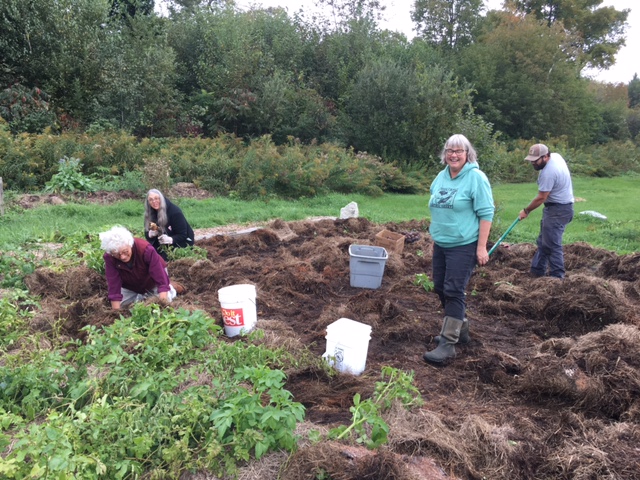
pixel 250 299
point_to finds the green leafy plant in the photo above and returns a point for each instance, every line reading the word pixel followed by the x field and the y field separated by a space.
pixel 367 423
pixel 130 180
pixel 192 251
pixel 423 280
pixel 69 178
pixel 83 248
pixel 15 310
pixel 397 385
pixel 153 395
pixel 26 109
pixel 15 266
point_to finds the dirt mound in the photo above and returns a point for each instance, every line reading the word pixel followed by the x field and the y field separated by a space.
pixel 187 190
pixel 598 372
pixel 179 190
pixel 100 197
pixel 546 388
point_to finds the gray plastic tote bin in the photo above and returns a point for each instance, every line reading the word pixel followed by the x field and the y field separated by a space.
pixel 366 265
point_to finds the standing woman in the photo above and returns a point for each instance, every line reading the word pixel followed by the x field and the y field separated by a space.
pixel 462 210
pixel 165 224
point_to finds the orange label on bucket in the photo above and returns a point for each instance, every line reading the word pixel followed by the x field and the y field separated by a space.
pixel 232 317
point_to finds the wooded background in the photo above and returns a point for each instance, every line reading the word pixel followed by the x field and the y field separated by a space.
pixel 209 68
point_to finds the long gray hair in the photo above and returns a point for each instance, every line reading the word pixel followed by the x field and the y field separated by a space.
pixel 460 141
pixel 161 220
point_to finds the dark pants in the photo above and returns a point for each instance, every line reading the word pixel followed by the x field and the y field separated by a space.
pixel 452 269
pixel 555 217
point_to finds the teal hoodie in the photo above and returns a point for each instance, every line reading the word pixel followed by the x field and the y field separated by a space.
pixel 457 205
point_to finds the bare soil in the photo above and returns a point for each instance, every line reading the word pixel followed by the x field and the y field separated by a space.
pixel 548 387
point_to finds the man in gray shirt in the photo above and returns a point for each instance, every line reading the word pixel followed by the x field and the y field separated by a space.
pixel 555 191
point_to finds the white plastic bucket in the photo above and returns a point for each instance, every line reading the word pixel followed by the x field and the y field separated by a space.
pixel 347 345
pixel 238 306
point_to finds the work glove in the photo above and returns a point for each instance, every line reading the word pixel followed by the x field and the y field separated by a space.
pixel 165 239
pixel 153 233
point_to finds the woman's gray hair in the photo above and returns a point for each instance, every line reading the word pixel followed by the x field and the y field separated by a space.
pixel 113 240
pixel 161 218
pixel 459 141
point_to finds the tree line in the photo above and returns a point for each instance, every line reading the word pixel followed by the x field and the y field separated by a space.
pixel 208 68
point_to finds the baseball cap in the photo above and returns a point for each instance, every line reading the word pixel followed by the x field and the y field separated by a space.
pixel 535 152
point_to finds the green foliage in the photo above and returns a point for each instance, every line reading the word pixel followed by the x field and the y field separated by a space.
pixel 397 385
pixel 447 23
pixel 29 161
pixel 70 178
pixel 15 311
pixel 130 180
pixel 598 33
pixel 378 109
pixel 26 110
pixel 15 265
pixel 156 173
pixel 367 425
pixel 192 251
pixel 130 401
pixel 634 91
pixel 525 82
pixel 423 280
pixel 138 92
pixel 297 171
pixel 287 110
pixel 633 123
pixel 442 105
pixel 82 248
pixel 219 70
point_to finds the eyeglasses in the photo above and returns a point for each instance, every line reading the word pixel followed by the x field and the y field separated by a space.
pixel 122 253
pixel 448 151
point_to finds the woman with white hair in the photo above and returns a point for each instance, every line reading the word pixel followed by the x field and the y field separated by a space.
pixel 462 209
pixel 165 224
pixel 133 269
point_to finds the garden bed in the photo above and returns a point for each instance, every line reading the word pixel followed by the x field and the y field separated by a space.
pixel 548 387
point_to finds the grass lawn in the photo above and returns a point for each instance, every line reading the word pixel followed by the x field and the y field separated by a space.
pixel 616 198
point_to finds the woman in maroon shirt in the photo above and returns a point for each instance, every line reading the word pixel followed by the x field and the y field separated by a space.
pixel 133 268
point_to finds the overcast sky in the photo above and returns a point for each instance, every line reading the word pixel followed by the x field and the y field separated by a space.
pixel 398 18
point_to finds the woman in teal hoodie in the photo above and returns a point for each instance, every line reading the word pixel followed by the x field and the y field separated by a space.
pixel 462 208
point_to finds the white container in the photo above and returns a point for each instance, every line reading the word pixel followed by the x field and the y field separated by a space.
pixel 238 305
pixel 347 345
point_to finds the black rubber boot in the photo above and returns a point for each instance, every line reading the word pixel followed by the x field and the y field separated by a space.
pixel 464 334
pixel 448 338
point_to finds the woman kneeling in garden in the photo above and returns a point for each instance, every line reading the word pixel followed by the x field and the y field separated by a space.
pixel 133 268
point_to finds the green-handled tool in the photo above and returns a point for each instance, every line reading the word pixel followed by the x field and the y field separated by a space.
pixel 504 235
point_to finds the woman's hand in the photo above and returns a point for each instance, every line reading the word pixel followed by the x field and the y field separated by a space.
pixel 152 233
pixel 482 255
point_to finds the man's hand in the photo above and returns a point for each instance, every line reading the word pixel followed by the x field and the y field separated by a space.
pixel 165 239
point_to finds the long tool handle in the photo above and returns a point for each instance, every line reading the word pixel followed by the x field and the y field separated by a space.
pixel 504 235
